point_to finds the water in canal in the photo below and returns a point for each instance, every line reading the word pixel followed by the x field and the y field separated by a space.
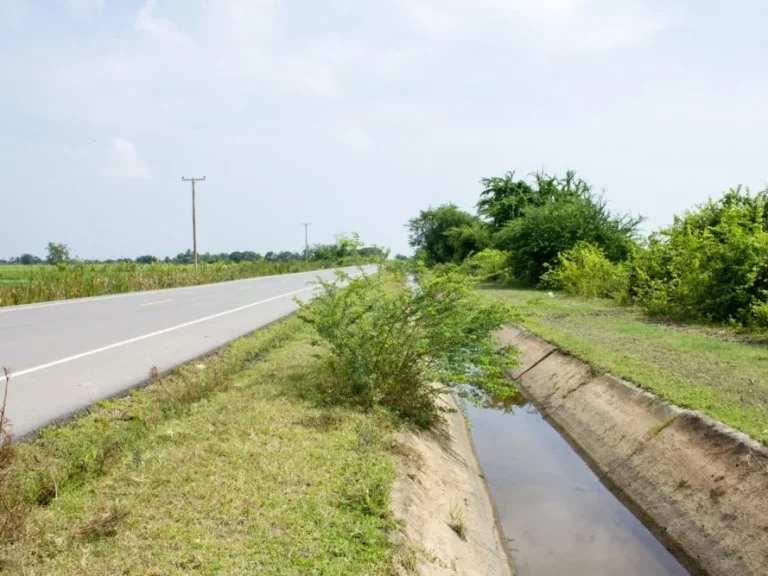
pixel 557 517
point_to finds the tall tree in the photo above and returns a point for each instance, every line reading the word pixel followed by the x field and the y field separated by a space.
pixel 504 199
pixel 429 232
pixel 57 253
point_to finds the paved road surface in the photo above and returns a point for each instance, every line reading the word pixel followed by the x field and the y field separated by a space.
pixel 68 354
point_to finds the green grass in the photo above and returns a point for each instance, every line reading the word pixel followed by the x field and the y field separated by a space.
pixel 714 370
pixel 236 468
pixel 16 272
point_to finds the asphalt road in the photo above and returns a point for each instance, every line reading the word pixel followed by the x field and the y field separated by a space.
pixel 66 355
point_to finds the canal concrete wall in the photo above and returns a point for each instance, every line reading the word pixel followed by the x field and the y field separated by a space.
pixel 699 485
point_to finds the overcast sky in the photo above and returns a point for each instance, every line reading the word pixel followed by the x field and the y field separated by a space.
pixel 355 114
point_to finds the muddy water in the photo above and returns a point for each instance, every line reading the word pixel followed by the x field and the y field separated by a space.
pixel 555 514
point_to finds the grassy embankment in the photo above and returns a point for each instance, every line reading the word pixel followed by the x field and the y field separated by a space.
pixel 30 284
pixel 236 467
pixel 714 370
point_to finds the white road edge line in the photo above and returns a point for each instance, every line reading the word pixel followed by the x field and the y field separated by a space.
pixel 15 375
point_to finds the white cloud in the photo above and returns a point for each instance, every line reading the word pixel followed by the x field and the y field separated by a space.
pixel 126 162
pixel 602 24
pixel 355 138
pixel 161 29
pixel 86 4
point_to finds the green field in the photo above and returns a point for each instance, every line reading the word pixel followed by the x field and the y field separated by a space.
pixel 715 370
pixel 14 272
pixel 43 283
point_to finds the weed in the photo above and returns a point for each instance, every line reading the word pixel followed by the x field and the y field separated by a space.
pixel 103 524
pixel 457 521
pixel 407 452
pixel 13 512
pixel 656 429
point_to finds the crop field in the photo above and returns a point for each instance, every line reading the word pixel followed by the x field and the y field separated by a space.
pixel 16 272
pixel 43 283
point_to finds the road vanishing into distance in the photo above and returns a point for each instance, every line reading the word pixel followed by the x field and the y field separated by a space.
pixel 69 354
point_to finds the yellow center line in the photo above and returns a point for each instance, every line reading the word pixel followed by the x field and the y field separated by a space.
pixel 153 303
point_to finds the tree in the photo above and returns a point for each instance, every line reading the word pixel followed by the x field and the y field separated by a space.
pixel 535 240
pixel 428 232
pixel 184 258
pixel 469 239
pixel 236 257
pixel 29 259
pixel 504 199
pixel 148 259
pixel 57 253
pixel 325 252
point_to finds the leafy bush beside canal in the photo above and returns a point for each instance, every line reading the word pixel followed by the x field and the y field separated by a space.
pixel 390 344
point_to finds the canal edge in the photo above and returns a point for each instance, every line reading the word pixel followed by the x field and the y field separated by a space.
pixel 694 482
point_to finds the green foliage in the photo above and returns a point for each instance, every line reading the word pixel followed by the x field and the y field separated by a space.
pixel 468 239
pixel 585 271
pixel 711 264
pixel 390 344
pixel 57 253
pixel 490 264
pixel 503 199
pixel 535 240
pixel 28 259
pixel 429 233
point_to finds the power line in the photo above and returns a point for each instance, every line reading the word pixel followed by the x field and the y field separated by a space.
pixel 194 215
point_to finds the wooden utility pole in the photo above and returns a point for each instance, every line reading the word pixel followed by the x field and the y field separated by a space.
pixel 306 239
pixel 194 215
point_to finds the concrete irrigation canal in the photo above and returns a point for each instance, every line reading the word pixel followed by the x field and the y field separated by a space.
pixel 592 475
pixel 557 517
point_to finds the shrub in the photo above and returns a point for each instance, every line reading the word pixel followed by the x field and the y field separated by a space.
pixel 711 264
pixel 535 240
pixel 585 271
pixel 490 264
pixel 390 344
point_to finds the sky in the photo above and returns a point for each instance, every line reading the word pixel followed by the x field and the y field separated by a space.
pixel 356 114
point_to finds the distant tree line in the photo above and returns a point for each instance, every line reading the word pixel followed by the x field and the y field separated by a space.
pixel 60 254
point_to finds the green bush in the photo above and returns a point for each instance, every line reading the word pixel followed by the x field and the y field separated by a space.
pixel 391 344
pixel 710 265
pixel 585 271
pixel 535 240
pixel 490 264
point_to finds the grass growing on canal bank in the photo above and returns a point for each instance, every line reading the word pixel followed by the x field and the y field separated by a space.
pixel 715 371
pixel 231 468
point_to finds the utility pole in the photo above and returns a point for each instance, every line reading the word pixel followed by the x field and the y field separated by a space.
pixel 194 216
pixel 306 239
